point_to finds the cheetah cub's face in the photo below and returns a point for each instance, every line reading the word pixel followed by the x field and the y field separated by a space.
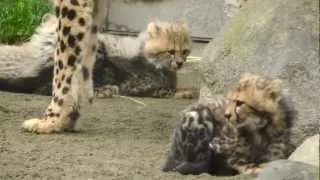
pixel 167 45
pixel 240 114
pixel 254 100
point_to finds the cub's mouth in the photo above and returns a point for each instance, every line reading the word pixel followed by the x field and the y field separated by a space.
pixel 252 121
pixel 174 66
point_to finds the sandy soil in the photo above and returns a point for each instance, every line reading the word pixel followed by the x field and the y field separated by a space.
pixel 116 139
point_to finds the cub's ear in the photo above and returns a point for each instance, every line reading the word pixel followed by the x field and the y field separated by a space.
pixel 186 27
pixel 153 29
pixel 274 89
pixel 247 75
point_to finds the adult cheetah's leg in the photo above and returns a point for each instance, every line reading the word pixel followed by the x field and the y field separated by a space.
pixel 74 59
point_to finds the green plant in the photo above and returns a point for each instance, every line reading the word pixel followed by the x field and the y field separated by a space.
pixel 19 18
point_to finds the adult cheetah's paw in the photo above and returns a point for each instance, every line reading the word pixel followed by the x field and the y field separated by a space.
pixel 88 90
pixel 30 125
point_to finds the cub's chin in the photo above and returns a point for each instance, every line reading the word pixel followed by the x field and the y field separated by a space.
pixel 175 66
pixel 171 66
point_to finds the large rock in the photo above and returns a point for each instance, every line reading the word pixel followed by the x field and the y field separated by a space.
pixel 276 39
pixel 288 170
pixel 308 151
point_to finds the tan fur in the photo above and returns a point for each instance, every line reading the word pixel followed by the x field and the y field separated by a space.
pixel 264 95
pixel 255 126
pixel 167 41
pixel 71 84
pixel 31 58
pixel 153 44
pixel 260 111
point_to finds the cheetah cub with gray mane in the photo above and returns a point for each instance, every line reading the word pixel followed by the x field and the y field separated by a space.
pixel 147 65
pixel 237 134
pixel 164 44
pixel 140 66
pixel 262 113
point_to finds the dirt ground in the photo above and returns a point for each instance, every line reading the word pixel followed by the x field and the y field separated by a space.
pixel 115 139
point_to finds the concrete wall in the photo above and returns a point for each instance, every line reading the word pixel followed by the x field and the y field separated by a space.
pixel 205 17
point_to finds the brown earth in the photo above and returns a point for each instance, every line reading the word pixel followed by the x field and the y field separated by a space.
pixel 115 139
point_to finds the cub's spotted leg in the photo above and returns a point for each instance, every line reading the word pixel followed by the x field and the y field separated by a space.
pixel 73 64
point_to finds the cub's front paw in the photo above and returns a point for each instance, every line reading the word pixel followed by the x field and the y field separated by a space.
pixel 186 93
pixel 220 145
pixel 252 169
pixel 215 145
pixel 107 91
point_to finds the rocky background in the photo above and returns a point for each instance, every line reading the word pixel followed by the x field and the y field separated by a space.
pixel 122 140
pixel 275 39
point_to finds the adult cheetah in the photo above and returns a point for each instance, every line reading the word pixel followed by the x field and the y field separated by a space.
pixel 74 59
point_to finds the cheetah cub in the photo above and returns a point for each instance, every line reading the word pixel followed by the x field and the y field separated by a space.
pixel 261 112
pixel 237 134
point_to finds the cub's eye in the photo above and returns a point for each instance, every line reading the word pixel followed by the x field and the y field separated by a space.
pixel 239 103
pixel 185 52
pixel 171 52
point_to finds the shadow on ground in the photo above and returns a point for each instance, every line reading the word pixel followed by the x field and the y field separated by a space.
pixel 116 139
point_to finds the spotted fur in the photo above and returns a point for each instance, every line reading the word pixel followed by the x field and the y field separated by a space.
pixel 256 96
pixel 244 132
pixel 143 66
pixel 168 45
pixel 261 112
pixel 76 49
pixel 121 61
pixel 198 125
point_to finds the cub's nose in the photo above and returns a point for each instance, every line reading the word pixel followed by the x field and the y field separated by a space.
pixel 179 64
pixel 227 116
